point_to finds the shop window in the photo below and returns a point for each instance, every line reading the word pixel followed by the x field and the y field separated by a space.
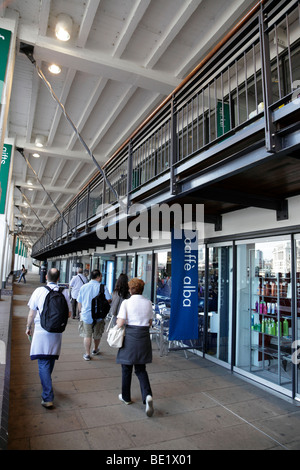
pixel 264 310
pixel 162 283
pixel 144 271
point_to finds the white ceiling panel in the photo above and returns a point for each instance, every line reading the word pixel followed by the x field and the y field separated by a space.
pixel 124 57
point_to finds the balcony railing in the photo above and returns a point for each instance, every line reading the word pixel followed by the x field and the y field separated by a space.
pixel 253 72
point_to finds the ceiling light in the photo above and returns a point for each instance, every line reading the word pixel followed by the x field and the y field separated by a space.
pixel 54 68
pixel 30 183
pixel 63 27
pixel 36 155
pixel 40 140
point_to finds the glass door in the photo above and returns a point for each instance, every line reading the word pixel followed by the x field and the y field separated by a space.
pixel 219 303
pixel 130 266
pixel 162 278
pixel 120 265
pixel 264 310
pixel 144 271
pixel 296 356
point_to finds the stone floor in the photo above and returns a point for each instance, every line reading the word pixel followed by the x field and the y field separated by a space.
pixel 198 405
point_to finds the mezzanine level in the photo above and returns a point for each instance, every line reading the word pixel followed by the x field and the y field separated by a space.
pixel 228 137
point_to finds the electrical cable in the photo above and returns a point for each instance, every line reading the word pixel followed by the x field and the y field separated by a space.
pixel 36 175
pixel 48 85
pixel 28 202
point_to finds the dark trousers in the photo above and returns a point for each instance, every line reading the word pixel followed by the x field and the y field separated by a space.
pixel 142 375
pixel 74 307
pixel 45 370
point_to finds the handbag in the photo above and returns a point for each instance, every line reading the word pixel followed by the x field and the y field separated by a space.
pixel 115 336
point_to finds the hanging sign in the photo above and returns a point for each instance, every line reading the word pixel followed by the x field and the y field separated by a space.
pixel 184 295
pixel 4 50
pixel 4 172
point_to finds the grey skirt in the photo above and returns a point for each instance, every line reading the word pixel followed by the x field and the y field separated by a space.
pixel 137 347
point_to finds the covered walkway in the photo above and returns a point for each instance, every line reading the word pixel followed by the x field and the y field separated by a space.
pixel 198 404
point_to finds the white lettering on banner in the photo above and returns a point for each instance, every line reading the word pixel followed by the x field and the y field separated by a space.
pixel 4 156
pixel 189 264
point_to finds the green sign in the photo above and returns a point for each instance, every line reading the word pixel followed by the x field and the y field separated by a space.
pixel 4 50
pixel 223 118
pixel 4 172
pixel 17 246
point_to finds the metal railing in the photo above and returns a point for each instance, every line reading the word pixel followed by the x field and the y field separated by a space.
pixel 252 72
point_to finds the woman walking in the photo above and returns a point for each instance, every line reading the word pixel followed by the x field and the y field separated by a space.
pixel 120 293
pixel 23 272
pixel 136 313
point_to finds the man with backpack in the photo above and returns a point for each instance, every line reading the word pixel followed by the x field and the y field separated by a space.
pixel 49 310
pixel 75 285
pixel 92 326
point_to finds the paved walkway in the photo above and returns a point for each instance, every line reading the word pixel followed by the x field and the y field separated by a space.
pixel 198 404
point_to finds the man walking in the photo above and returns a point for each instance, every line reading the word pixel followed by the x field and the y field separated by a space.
pixel 88 329
pixel 45 346
pixel 75 285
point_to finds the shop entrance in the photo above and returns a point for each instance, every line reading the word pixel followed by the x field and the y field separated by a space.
pixel 265 310
pixel 219 302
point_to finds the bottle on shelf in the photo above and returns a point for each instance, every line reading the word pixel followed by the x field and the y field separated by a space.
pixel 274 289
pixel 285 327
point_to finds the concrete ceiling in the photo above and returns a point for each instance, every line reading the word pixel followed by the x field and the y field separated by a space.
pixel 124 57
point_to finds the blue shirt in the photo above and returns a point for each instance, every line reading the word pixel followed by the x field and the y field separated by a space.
pixel 86 293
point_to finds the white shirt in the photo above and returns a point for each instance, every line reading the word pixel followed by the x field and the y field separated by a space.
pixel 137 310
pixel 76 283
pixel 44 343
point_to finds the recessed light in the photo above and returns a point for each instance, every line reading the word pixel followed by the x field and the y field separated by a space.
pixel 63 27
pixel 40 140
pixel 54 68
pixel 36 155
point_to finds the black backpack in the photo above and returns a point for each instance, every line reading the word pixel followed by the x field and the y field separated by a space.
pixel 100 306
pixel 55 313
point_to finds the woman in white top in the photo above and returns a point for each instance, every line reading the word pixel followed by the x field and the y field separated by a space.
pixel 136 351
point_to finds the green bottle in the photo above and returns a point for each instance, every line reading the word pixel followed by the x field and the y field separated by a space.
pixel 285 327
pixel 273 328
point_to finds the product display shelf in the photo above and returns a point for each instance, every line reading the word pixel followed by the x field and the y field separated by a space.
pixel 270 323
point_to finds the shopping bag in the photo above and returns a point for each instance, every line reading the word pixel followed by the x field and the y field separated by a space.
pixel 115 336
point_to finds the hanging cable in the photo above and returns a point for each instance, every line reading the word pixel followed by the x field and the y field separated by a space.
pixel 28 202
pixel 35 174
pixel 29 54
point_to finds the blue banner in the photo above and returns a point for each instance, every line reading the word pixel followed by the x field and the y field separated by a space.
pixel 184 295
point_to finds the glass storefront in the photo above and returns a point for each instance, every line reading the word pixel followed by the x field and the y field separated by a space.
pixel 264 310
pixel 219 302
pixel 120 265
pixel 162 280
pixel 144 271
pixel 130 266
pixel 297 315
pixel 106 265
pixel 125 264
pixel 252 312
